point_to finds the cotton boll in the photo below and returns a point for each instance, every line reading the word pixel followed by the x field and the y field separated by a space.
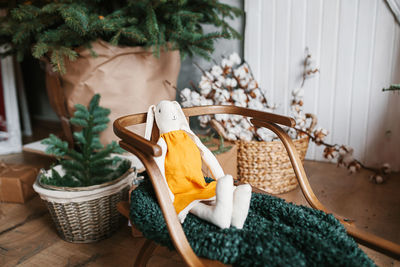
pixel 185 94
pixel 195 98
pixel 255 104
pixel 224 96
pixel 258 95
pixel 244 123
pixel 226 63
pixel 205 102
pixel 386 169
pixel 252 85
pixel 345 156
pixel 244 82
pixel 232 131
pixel 292 133
pixel 230 82
pixel 300 120
pixel 231 136
pixel 221 117
pixel 240 72
pixel 221 79
pixel 226 103
pixel 320 135
pixel 235 58
pixel 246 135
pixel 221 96
pixel 330 153
pixel 344 150
pixel 204 120
pixel 265 134
pixel 298 95
pixel 376 178
pixel 205 86
pixel 298 92
pixel 227 82
pixel 233 83
pixel 186 104
pixel 216 71
pixel 353 167
pixel 236 118
pixel 239 96
pixel 379 179
pixel 240 104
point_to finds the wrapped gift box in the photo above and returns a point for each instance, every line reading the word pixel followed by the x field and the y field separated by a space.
pixel 16 182
pixel 227 159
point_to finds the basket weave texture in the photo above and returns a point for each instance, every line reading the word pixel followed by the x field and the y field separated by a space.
pixel 88 221
pixel 267 166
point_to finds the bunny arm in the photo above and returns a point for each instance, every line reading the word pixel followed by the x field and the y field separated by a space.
pixel 208 157
pixel 160 161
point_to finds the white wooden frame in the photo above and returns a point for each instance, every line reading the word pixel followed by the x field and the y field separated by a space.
pixel 13 143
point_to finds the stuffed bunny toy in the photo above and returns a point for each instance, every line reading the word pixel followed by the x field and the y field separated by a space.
pixel 218 202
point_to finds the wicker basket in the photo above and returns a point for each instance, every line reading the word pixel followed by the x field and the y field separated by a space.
pixel 86 214
pixel 266 165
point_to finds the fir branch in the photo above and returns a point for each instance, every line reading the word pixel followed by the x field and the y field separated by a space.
pixel 40 49
pixel 25 12
pixel 92 163
pixel 55 146
pixel 56 28
pixel 75 17
pixel 393 87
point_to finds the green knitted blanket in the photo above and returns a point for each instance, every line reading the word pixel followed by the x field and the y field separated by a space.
pixel 276 233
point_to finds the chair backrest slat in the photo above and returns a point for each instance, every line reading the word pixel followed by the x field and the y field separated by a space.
pixel 210 110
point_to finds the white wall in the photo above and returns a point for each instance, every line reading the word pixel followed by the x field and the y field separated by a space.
pixel 356 44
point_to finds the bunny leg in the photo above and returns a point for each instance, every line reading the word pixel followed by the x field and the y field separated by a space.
pixel 241 204
pixel 219 214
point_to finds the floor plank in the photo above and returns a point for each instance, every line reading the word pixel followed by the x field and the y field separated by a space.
pixel 28 236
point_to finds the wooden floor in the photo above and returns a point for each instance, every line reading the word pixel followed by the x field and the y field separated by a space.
pixel 28 237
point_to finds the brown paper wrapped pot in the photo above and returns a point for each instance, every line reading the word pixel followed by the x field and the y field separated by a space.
pixel 129 79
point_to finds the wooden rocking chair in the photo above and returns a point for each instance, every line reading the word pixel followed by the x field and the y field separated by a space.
pixel 145 150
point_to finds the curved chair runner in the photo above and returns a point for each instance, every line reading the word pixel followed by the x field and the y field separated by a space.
pixel 145 150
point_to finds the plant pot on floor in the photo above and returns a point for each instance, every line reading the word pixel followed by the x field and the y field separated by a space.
pixel 86 214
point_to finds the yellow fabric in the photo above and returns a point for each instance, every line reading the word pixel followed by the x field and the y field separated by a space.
pixel 183 170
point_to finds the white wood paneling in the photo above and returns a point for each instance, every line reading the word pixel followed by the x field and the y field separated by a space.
pixel 356 45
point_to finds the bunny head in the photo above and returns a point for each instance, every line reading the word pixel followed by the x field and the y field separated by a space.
pixel 168 115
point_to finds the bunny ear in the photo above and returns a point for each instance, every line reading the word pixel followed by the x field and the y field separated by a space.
pixel 149 122
pixel 184 122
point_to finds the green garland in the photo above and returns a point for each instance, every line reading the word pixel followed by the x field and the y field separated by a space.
pixel 58 27
pixel 276 233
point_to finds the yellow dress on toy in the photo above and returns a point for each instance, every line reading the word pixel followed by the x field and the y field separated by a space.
pixel 183 171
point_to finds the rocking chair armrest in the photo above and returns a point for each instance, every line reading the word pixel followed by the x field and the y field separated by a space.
pixel 160 188
pixel 296 163
pixel 375 242
pixel 256 114
pixel 140 143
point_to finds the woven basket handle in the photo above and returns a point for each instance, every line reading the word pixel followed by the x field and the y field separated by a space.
pixel 313 123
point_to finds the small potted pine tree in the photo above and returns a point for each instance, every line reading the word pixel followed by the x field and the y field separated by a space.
pixel 82 190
